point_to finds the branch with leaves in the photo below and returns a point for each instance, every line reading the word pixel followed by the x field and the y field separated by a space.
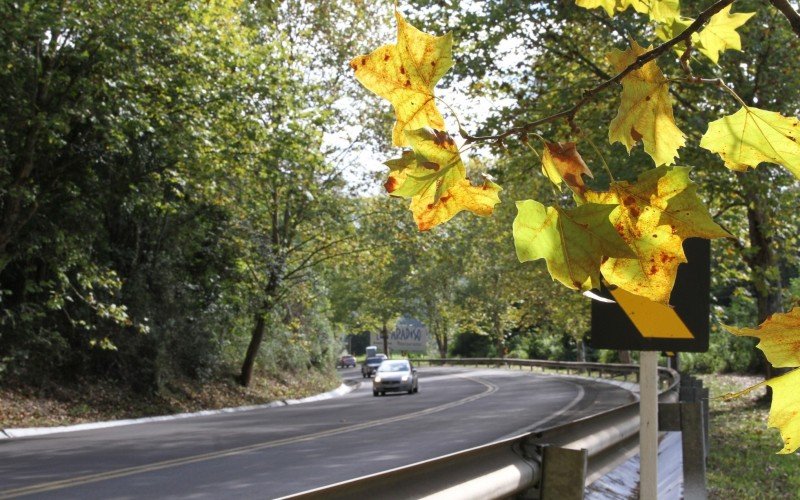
pixel 629 235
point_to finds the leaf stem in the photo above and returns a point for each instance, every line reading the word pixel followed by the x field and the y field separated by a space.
pixel 602 158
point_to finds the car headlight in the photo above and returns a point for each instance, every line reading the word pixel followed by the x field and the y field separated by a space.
pixel 377 379
pixel 405 378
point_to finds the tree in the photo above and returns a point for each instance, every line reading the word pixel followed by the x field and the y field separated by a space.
pixel 630 233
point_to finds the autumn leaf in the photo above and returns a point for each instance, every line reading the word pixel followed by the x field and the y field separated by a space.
pixel 479 200
pixel 779 339
pixel 573 242
pixel 654 215
pixel 658 10
pixel 405 74
pixel 645 113
pixel 434 163
pixel 434 177
pixel 562 162
pixel 752 136
pixel 720 33
pixel 718 36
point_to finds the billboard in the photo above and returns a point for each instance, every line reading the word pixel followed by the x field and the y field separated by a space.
pixel 409 335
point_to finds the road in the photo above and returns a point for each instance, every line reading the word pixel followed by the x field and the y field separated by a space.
pixel 274 452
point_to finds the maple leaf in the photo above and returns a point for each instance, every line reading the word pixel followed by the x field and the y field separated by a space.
pixel 718 36
pixel 434 162
pixel 779 339
pixel 405 74
pixel 562 162
pixel 658 10
pixel 480 200
pixel 573 242
pixel 654 215
pixel 434 177
pixel 751 136
pixel 645 112
pixel 720 33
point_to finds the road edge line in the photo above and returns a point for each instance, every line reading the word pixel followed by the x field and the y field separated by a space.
pixel 20 432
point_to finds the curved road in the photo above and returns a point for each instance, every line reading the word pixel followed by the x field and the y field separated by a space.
pixel 274 452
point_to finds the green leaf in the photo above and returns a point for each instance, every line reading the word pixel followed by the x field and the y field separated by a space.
pixel 752 136
pixel 573 242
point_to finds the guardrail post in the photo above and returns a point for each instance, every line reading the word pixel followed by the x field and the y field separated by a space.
pixel 690 417
pixel 694 451
pixel 563 473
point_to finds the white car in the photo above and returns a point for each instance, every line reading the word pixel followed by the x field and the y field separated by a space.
pixel 395 375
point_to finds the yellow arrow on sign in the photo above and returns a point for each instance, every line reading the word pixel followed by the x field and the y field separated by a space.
pixel 652 319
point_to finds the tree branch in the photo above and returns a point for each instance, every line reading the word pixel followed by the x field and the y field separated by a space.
pixel 789 13
pixel 589 95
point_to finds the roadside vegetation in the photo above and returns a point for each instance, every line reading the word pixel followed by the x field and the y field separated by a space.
pixel 740 438
pixel 190 217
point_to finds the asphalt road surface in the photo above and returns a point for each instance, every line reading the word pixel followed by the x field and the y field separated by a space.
pixel 275 452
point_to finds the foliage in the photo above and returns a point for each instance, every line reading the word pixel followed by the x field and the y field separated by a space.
pixel 631 234
pixel 779 342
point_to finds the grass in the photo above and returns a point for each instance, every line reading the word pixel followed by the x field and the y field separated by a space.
pixel 742 462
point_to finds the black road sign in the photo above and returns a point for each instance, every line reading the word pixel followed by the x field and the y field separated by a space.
pixel 637 323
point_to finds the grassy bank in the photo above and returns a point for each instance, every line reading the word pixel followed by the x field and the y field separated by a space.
pixel 92 401
pixel 742 463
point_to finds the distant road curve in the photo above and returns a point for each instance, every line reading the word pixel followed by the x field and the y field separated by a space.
pixel 273 452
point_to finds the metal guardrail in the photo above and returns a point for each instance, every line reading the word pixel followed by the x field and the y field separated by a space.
pixel 542 464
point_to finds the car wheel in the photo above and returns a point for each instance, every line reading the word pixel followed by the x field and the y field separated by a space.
pixel 375 393
pixel 411 391
pixel 416 389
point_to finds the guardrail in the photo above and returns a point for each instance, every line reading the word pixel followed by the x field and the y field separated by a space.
pixel 555 462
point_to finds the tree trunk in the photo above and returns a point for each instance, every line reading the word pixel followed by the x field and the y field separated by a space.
pixel 385 337
pixel 581 350
pixel 764 270
pixel 252 350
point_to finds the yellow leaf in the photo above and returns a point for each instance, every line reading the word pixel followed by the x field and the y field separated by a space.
pixel 405 74
pixel 720 33
pixel 751 136
pixel 434 161
pixel 784 413
pixel 561 161
pixel 658 251
pixel 779 338
pixel 654 215
pixel 645 112
pixel 479 200
pixel 658 10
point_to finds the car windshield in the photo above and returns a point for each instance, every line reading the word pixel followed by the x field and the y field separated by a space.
pixel 374 360
pixel 394 366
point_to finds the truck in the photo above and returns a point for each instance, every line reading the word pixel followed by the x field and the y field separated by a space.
pixel 372 351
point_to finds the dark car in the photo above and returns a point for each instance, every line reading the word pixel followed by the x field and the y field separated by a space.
pixel 395 375
pixel 346 361
pixel 370 365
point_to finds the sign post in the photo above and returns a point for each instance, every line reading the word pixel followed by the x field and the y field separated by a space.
pixel 632 322
pixel 648 425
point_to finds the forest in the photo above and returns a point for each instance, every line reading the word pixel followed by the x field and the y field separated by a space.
pixel 193 191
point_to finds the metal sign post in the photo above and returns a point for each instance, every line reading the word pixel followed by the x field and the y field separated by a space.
pixel 648 425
